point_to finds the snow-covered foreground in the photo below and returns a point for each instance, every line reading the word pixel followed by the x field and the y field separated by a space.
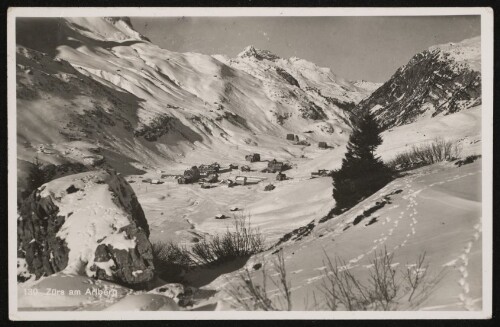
pixel 436 210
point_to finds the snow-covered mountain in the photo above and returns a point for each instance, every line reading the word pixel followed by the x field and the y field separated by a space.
pixel 93 92
pixel 314 80
pixel 369 86
pixel 96 85
pixel 438 81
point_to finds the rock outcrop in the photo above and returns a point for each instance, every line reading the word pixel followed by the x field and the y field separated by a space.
pixel 90 224
pixel 438 81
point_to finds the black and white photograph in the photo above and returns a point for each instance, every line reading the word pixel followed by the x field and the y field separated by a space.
pixel 250 164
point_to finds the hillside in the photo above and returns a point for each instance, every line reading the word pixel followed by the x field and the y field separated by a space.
pixel 94 84
pixel 438 81
pixel 436 210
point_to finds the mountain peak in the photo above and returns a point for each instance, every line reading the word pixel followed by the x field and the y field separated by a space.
pixel 466 52
pixel 252 52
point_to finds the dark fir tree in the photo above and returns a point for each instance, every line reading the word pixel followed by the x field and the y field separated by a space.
pixel 362 172
pixel 34 180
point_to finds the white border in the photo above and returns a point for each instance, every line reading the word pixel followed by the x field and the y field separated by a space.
pixel 487 153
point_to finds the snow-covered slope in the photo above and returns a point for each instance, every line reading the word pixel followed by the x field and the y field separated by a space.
pixel 369 86
pixel 438 81
pixel 435 210
pixel 97 81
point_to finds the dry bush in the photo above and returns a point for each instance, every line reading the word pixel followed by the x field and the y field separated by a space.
pixel 340 286
pixel 426 154
pixel 171 261
pixel 241 241
pixel 170 253
pixel 387 287
pixel 252 295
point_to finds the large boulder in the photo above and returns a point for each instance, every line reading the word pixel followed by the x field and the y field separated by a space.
pixel 89 224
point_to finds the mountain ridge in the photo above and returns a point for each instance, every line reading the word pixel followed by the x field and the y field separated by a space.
pixel 441 80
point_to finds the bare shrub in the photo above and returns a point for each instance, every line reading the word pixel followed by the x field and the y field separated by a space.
pixel 387 287
pixel 168 253
pixel 252 295
pixel 418 283
pixel 340 287
pixel 384 285
pixel 171 261
pixel 426 154
pixel 241 241
pixel 415 276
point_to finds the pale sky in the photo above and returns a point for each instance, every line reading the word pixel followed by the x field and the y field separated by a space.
pixel 369 48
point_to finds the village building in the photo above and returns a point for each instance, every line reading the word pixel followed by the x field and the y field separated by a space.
pixel 321 173
pixel 240 180
pixel 245 168
pixel 191 175
pixel 274 166
pixel 206 170
pixel 322 145
pixel 227 182
pixel 290 137
pixel 254 157
pixel 280 177
pixel 212 178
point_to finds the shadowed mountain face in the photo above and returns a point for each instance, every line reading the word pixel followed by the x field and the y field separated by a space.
pixel 441 80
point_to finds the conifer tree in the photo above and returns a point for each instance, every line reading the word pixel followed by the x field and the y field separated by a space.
pixel 362 172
